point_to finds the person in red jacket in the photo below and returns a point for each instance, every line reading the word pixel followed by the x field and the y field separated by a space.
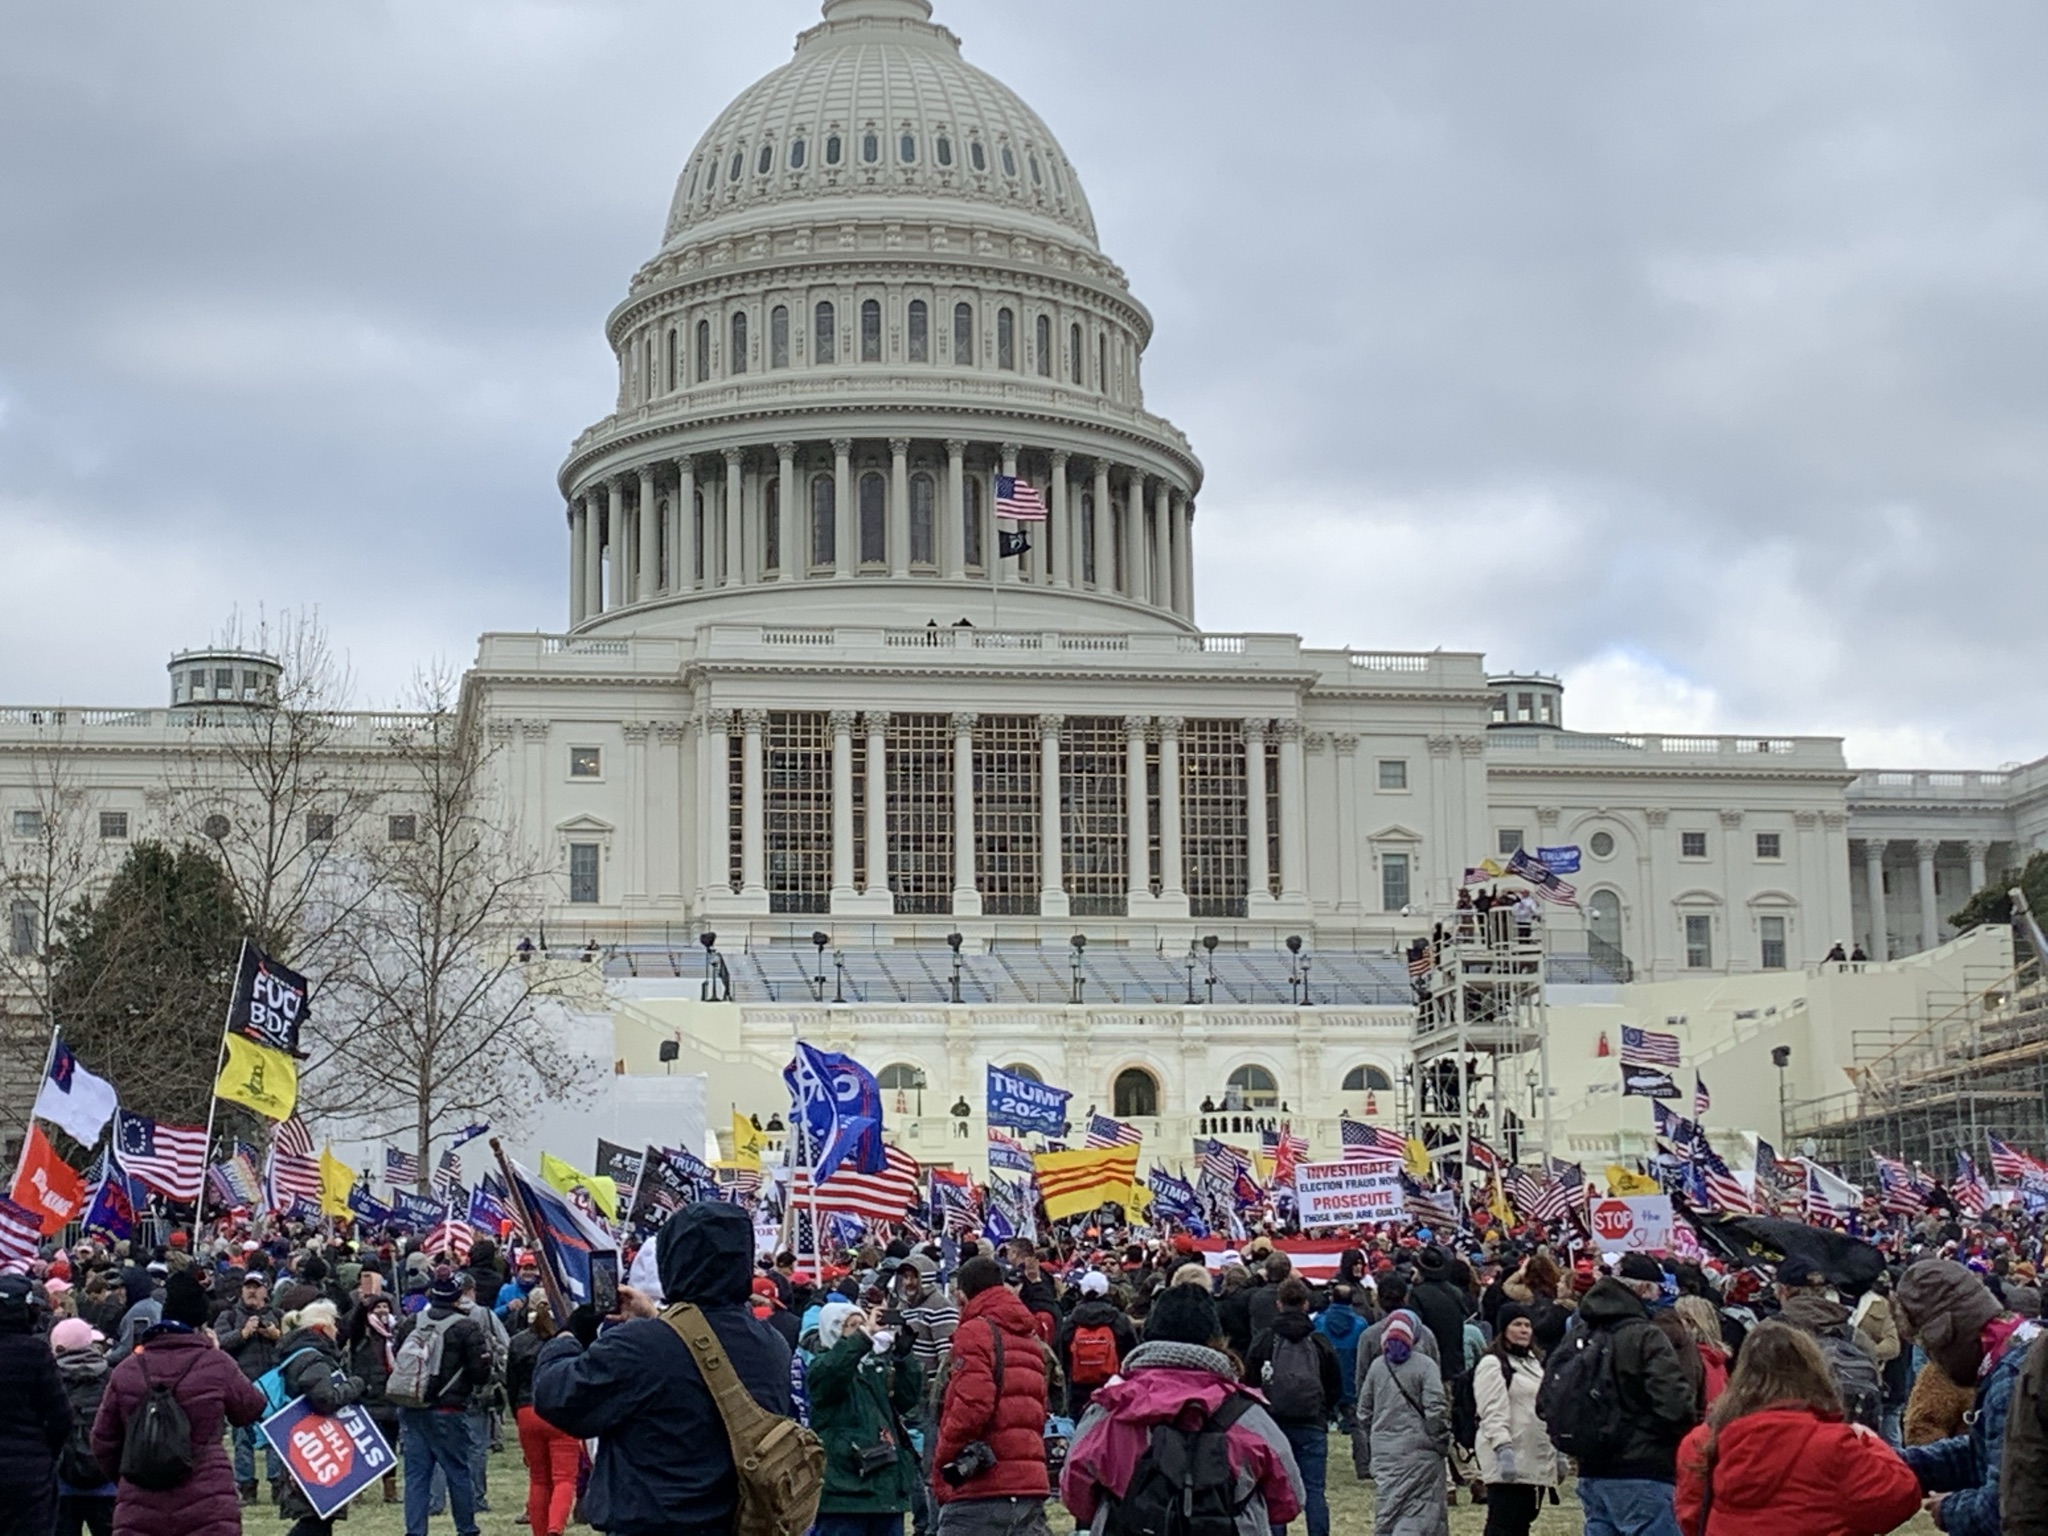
pixel 1775 1455
pixel 988 1467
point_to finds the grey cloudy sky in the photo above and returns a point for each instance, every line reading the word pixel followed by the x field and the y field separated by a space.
pixel 1695 352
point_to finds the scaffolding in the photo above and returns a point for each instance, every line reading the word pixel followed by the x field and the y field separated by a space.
pixel 1481 1034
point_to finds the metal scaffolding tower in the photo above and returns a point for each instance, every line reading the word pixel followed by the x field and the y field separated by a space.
pixel 1481 1032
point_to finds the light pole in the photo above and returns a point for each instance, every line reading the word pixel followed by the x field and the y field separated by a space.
pixel 1209 943
pixel 1080 943
pixel 1294 968
pixel 953 942
pixel 839 975
pixel 818 978
pixel 710 988
pixel 1781 1058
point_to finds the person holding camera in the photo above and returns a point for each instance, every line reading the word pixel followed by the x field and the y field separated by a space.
pixel 988 1468
pixel 859 1392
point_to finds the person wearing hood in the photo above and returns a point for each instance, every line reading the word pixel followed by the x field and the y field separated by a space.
pixel 994 1396
pixel 1179 1375
pixel 1630 1491
pixel 85 1494
pixel 177 1352
pixel 1946 1310
pixel 141 1309
pixel 1516 1459
pixel 1393 1295
pixel 313 1368
pixel 35 1415
pixel 1105 1340
pixel 366 1339
pixel 1442 1304
pixel 1403 1440
pixel 1343 1325
pixel 1808 1303
pixel 1296 1367
pixel 663 1462
pixel 859 1390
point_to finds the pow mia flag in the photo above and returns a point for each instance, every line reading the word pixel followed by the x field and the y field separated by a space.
pixel 1009 544
pixel 270 1002
pixel 1648 1082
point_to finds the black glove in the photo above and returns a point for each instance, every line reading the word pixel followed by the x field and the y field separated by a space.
pixel 583 1324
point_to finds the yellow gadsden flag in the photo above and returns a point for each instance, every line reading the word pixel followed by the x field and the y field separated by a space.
pixel 259 1078
pixel 748 1141
pixel 1072 1183
pixel 1621 1182
pixel 1415 1159
pixel 562 1178
pixel 1498 1203
pixel 336 1180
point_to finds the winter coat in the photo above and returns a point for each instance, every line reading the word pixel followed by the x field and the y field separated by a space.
pixel 1506 1400
pixel 465 1357
pixel 1343 1327
pixel 1403 1435
pixel 663 1459
pixel 1787 1469
pixel 857 1399
pixel 84 1373
pixel 1936 1407
pixel 1010 1418
pixel 214 1393
pixel 370 1356
pixel 1714 1366
pixel 1875 1329
pixel 313 1369
pixel 1657 1396
pixel 256 1354
pixel 1851 1365
pixel 1261 1308
pixel 1186 1383
pixel 1293 1327
pixel 1966 1467
pixel 35 1412
pixel 1095 1313
pixel 519 1363
pixel 2023 1476
pixel 1233 1310
pixel 143 1311
pixel 1369 1347
pixel 1441 1306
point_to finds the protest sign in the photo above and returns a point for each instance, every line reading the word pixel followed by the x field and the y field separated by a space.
pixel 1632 1223
pixel 331 1456
pixel 1337 1194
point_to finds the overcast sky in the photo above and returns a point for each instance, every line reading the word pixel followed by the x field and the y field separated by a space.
pixel 1693 352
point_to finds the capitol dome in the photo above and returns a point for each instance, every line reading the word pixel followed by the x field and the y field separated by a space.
pixel 879 371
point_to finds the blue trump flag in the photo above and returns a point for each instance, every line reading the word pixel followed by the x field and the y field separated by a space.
pixel 418 1212
pixel 368 1207
pixel 1024 1104
pixel 579 1254
pixel 837 1106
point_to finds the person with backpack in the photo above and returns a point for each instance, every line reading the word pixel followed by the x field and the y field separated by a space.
pixel 1774 1456
pixel 1093 1343
pixel 1616 1397
pixel 1807 1302
pixel 1403 1441
pixel 161 1424
pixel 1177 1405
pixel 248 1331
pixel 1296 1368
pixel 1516 1459
pixel 859 1390
pixel 310 1365
pixel 441 1359
pixel 988 1470
pixel 665 1445
pixel 1342 1324
pixel 35 1415
pixel 85 1494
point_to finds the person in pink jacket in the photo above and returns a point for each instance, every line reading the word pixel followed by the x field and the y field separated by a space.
pixel 1180 1374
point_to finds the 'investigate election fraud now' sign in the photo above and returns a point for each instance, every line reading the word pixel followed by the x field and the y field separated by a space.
pixel 1337 1194
pixel 331 1456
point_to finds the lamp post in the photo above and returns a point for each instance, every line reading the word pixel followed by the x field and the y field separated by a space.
pixel 1080 943
pixel 1294 968
pixel 953 942
pixel 818 978
pixel 1781 1058
pixel 709 991
pixel 839 975
pixel 1209 943
pixel 1191 975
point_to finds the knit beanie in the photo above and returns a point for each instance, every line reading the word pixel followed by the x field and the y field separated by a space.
pixel 1183 1314
pixel 1398 1342
pixel 1946 1308
pixel 185 1301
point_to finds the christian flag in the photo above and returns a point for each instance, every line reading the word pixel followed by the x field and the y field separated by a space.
pixel 73 1100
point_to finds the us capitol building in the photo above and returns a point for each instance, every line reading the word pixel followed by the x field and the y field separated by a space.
pixel 1034 812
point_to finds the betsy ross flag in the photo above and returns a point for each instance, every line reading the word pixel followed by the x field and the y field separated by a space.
pixel 1105 1132
pixel 1647 1048
pixel 1369 1143
pixel 170 1159
pixel 1018 498
pixel 884 1196
pixel 401 1169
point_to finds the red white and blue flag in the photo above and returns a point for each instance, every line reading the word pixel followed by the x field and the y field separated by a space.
pixel 1648 1048
pixel 170 1159
pixel 21 1230
pixel 294 1166
pixel 2009 1164
pixel 1971 1196
pixel 1105 1132
pixel 1370 1143
pixel 401 1169
pixel 1018 498
pixel 884 1196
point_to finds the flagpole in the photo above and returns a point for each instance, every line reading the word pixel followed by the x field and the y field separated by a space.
pixel 558 1301
pixel 220 1060
pixel 49 1060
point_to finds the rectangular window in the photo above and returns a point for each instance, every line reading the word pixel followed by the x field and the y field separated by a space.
pixel 1093 783
pixel 1699 942
pixel 919 331
pixel 586 763
pixel 1692 845
pixel 320 827
pixel 1768 846
pixel 28 823
pixel 1771 934
pixel 1214 817
pixel 1508 840
pixel 796 811
pixel 1393 773
pixel 1393 881
pixel 583 873
pixel 1007 813
pixel 402 829
pixel 920 806
pixel 22 929
pixel 778 336
pixel 114 826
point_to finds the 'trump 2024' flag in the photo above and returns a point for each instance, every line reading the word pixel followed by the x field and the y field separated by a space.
pixel 579 1255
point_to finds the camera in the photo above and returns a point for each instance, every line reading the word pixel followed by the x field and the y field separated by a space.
pixel 974 1459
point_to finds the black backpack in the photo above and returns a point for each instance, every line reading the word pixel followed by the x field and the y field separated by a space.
pixel 156 1448
pixel 1580 1399
pixel 77 1467
pixel 1465 1401
pixel 1184 1484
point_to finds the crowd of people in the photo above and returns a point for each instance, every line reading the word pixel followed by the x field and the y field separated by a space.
pixel 964 1387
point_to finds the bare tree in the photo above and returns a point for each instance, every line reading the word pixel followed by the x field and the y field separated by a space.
pixel 431 1016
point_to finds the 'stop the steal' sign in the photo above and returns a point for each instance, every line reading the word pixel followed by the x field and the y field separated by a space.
pixel 1025 1105
pixel 332 1457
pixel 1338 1194
pixel 270 1002
pixel 1632 1223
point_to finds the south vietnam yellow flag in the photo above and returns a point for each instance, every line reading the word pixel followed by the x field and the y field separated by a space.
pixel 748 1141
pixel 1415 1159
pixel 1072 1183
pixel 1621 1182
pixel 336 1180
pixel 258 1078
pixel 562 1178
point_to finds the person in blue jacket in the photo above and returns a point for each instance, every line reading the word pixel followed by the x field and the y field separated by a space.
pixel 664 1464
pixel 1341 1323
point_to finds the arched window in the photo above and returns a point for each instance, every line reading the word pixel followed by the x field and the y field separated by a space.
pixel 900 1080
pixel 1006 339
pixel 1025 1070
pixel 944 149
pixel 824 521
pixel 970 529
pixel 778 336
pixel 739 162
pixel 771 525
pixel 1367 1080
pixel 1603 922
pixel 906 147
pixel 1088 536
pixel 1255 1087
pixel 766 163
pixel 675 356
pixel 874 519
pixel 1009 163
pixel 963 335
pixel 870 331
pixel 920 329
pixel 703 350
pixel 1136 1093
pixel 736 360
pixel 1036 179
pixel 870 147
pixel 923 509
pixel 796 154
pixel 1102 365
pixel 1074 352
pixel 697 535
pixel 976 156
pixel 1043 337
pixel 832 149
pixel 825 334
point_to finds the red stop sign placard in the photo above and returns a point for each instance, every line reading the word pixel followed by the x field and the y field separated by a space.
pixel 1613 1220
pixel 322 1453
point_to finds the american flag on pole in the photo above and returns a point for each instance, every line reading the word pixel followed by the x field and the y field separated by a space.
pixel 1286 1149
pixel 1898 1186
pixel 953 1203
pixel 1018 498
pixel 1433 1207
pixel 1370 1143
pixel 401 1169
pixel 1647 1048
pixel 450 1236
pixel 1554 1198
pixel 1542 879
pixel 20 1231
pixel 1725 1190
pixel 294 1165
pixel 1105 1132
pixel 170 1159
pixel 448 1176
pixel 1700 1101
pixel 2008 1163
pixel 884 1196
pixel 1971 1196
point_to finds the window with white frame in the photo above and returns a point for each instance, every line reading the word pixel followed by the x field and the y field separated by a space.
pixel 1769 845
pixel 1692 845
pixel 1699 941
pixel 28 822
pixel 1393 773
pixel 586 763
pixel 1507 839
pixel 1771 942
pixel 113 826
pixel 1393 881
pixel 583 865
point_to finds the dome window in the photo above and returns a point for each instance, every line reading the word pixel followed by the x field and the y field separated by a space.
pixel 870 147
pixel 691 190
pixel 874 520
pixel 944 150
pixel 736 360
pixel 920 331
pixel 906 149
pixel 1043 337
pixel 824 520
pixel 739 163
pixel 767 160
pixel 870 331
pixel 778 336
pixel 963 335
pixel 1009 163
pixel 1074 364
pixel 703 351
pixel 796 154
pixel 832 149
pixel 976 155
pixel 924 501
pixel 1006 340
pixel 825 334
pixel 1036 179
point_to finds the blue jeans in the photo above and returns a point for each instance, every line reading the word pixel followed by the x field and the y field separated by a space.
pixel 1628 1506
pixel 1311 1446
pixel 432 1440
pixel 248 1439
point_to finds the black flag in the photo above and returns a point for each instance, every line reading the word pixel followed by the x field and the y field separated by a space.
pixel 1008 543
